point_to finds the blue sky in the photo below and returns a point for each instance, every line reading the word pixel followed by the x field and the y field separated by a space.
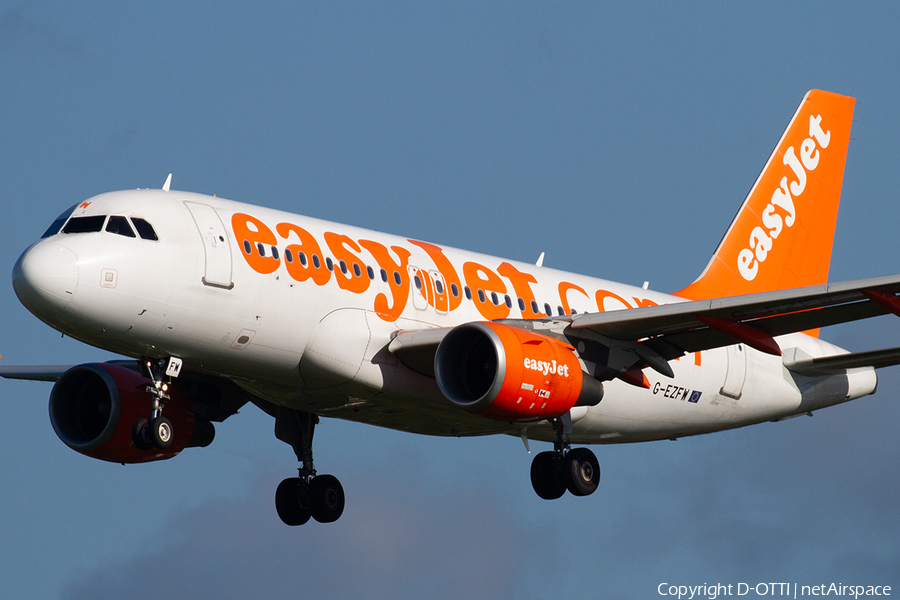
pixel 618 140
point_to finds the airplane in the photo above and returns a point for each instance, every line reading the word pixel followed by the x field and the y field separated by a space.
pixel 218 304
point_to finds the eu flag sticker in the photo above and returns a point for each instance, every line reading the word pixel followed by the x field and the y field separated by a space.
pixel 695 396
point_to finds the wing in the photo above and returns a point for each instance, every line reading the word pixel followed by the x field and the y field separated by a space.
pixel 48 372
pixel 35 373
pixel 613 342
pixel 707 324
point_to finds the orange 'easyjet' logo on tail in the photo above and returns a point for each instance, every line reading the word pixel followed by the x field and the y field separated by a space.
pixel 762 240
pixel 783 234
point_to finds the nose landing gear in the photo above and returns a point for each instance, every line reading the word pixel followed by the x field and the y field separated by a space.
pixel 299 498
pixel 156 431
pixel 554 472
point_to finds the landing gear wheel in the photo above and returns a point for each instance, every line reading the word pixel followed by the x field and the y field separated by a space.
pixel 326 498
pixel 140 435
pixel 581 472
pixel 546 476
pixel 290 501
pixel 161 430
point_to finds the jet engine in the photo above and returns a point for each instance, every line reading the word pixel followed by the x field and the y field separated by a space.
pixel 93 408
pixel 510 374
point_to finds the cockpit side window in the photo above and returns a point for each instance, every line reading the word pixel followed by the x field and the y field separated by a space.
pixel 84 224
pixel 58 223
pixel 144 229
pixel 119 226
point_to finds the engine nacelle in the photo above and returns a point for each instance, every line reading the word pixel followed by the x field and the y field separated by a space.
pixel 93 408
pixel 509 374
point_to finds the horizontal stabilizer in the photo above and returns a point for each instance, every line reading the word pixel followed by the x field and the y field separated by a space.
pixel 800 362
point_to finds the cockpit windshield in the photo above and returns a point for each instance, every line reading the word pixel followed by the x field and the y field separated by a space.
pixel 58 223
pixel 144 229
pixel 119 225
pixel 84 224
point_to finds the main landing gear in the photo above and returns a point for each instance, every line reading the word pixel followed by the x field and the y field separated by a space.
pixel 299 498
pixel 554 472
pixel 157 430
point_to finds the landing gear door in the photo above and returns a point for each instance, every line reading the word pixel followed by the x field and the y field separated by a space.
pixel 217 249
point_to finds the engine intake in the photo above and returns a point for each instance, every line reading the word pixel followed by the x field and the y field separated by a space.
pixel 94 406
pixel 510 374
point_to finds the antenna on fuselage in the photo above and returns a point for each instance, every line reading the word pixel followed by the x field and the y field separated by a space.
pixel 168 183
pixel 540 261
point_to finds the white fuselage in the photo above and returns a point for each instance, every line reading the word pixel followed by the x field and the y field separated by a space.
pixel 213 291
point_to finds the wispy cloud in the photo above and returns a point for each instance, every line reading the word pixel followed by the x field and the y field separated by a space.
pixel 391 542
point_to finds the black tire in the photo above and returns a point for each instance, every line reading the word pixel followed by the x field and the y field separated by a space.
pixel 326 498
pixel 581 472
pixel 546 478
pixel 140 435
pixel 288 502
pixel 162 432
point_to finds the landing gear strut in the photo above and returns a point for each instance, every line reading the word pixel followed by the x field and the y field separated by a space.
pixel 554 472
pixel 299 498
pixel 156 431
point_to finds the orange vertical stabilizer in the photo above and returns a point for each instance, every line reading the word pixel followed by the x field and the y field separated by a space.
pixel 782 236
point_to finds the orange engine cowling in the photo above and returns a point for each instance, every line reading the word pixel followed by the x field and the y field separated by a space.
pixel 509 374
pixel 93 408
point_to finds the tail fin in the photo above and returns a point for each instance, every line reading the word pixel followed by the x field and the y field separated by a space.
pixel 781 237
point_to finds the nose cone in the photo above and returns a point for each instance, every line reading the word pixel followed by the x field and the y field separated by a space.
pixel 45 277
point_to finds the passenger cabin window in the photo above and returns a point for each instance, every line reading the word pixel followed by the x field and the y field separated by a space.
pixel 90 224
pixel 58 223
pixel 119 226
pixel 144 229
